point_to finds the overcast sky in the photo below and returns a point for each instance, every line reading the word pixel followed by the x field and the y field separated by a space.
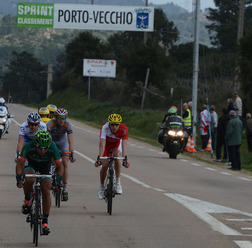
pixel 186 4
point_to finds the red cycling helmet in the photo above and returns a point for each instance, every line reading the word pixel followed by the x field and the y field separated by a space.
pixel 61 112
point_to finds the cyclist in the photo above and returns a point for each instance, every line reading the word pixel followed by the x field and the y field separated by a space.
pixel 5 111
pixel 39 152
pixel 113 137
pixel 62 135
pixel 52 108
pixel 28 129
pixel 44 113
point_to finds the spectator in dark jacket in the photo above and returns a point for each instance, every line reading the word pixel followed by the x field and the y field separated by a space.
pixel 221 132
pixel 249 131
pixel 233 140
pixel 230 105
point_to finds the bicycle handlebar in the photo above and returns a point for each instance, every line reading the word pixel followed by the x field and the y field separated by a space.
pixel 37 175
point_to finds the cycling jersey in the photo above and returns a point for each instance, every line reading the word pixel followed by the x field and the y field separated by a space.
pixel 26 133
pixel 113 141
pixel 59 134
pixel 41 163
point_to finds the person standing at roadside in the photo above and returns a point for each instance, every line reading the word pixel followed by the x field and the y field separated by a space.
pixel 204 125
pixel 214 124
pixel 249 131
pixel 221 132
pixel 238 105
pixel 233 140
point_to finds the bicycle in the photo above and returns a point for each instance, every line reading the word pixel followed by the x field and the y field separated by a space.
pixel 57 191
pixel 35 214
pixel 110 183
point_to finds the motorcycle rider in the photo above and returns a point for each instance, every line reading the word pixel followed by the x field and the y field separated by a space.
pixel 170 120
pixel 2 104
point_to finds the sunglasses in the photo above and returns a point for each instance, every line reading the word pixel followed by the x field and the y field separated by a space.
pixel 114 124
pixel 33 124
pixel 61 118
pixel 42 148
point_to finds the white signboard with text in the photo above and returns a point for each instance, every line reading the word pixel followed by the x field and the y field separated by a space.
pixel 99 68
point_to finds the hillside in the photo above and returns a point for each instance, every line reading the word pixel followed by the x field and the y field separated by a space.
pixel 47 44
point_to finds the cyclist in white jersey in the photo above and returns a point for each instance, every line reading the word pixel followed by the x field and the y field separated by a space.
pixel 28 130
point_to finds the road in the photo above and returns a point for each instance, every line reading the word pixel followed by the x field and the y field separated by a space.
pixel 182 203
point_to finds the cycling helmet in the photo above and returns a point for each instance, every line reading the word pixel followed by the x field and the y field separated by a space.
pixel 44 111
pixel 33 117
pixel 114 119
pixel 51 107
pixel 43 138
pixel 61 112
pixel 172 111
pixel 2 101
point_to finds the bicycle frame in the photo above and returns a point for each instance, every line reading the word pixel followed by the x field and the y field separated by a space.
pixel 35 215
pixel 110 191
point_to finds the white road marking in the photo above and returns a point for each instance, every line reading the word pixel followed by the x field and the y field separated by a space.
pixel 239 220
pixel 211 169
pixel 243 244
pixel 245 179
pixel 195 164
pixel 132 144
pixel 151 150
pixel 183 160
pixel 226 173
pixel 203 210
pixel 246 228
pixel 84 156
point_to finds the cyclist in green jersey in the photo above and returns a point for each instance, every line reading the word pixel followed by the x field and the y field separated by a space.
pixel 39 153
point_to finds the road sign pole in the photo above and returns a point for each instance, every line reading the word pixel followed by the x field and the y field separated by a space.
pixel 88 88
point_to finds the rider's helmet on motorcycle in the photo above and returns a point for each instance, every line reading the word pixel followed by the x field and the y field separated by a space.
pixel 2 101
pixel 172 111
pixel 52 108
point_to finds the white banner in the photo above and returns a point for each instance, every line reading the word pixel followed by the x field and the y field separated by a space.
pixel 99 68
pixel 103 17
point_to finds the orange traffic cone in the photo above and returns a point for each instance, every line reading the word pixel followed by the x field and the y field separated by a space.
pixel 209 144
pixel 192 149
pixel 188 144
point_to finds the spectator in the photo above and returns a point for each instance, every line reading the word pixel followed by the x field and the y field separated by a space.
pixel 187 119
pixel 214 124
pixel 238 105
pixel 204 125
pixel 230 105
pixel 233 140
pixel 221 131
pixel 249 131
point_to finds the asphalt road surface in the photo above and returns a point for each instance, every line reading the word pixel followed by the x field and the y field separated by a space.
pixel 182 203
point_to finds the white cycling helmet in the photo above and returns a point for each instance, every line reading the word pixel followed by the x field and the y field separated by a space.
pixel 33 117
pixel 2 101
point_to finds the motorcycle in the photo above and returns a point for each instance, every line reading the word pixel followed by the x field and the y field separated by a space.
pixel 5 120
pixel 173 138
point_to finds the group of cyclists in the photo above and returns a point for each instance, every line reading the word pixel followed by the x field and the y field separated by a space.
pixel 40 144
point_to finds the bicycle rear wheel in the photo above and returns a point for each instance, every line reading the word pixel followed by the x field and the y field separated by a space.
pixel 57 197
pixel 110 192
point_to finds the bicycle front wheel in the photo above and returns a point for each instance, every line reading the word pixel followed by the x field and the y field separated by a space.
pixel 36 218
pixel 110 191
pixel 57 197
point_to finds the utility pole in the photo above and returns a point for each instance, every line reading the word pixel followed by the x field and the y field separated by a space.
pixel 239 36
pixel 145 33
pixel 49 80
pixel 195 68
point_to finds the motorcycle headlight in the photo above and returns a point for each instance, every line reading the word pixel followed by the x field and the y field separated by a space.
pixel 2 121
pixel 180 133
pixel 171 132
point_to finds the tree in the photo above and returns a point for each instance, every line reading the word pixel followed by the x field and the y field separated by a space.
pixel 25 79
pixel 223 29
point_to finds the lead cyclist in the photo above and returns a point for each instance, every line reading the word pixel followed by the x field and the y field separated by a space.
pixel 113 136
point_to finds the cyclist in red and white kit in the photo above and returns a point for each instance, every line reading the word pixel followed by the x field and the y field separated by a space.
pixel 113 137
